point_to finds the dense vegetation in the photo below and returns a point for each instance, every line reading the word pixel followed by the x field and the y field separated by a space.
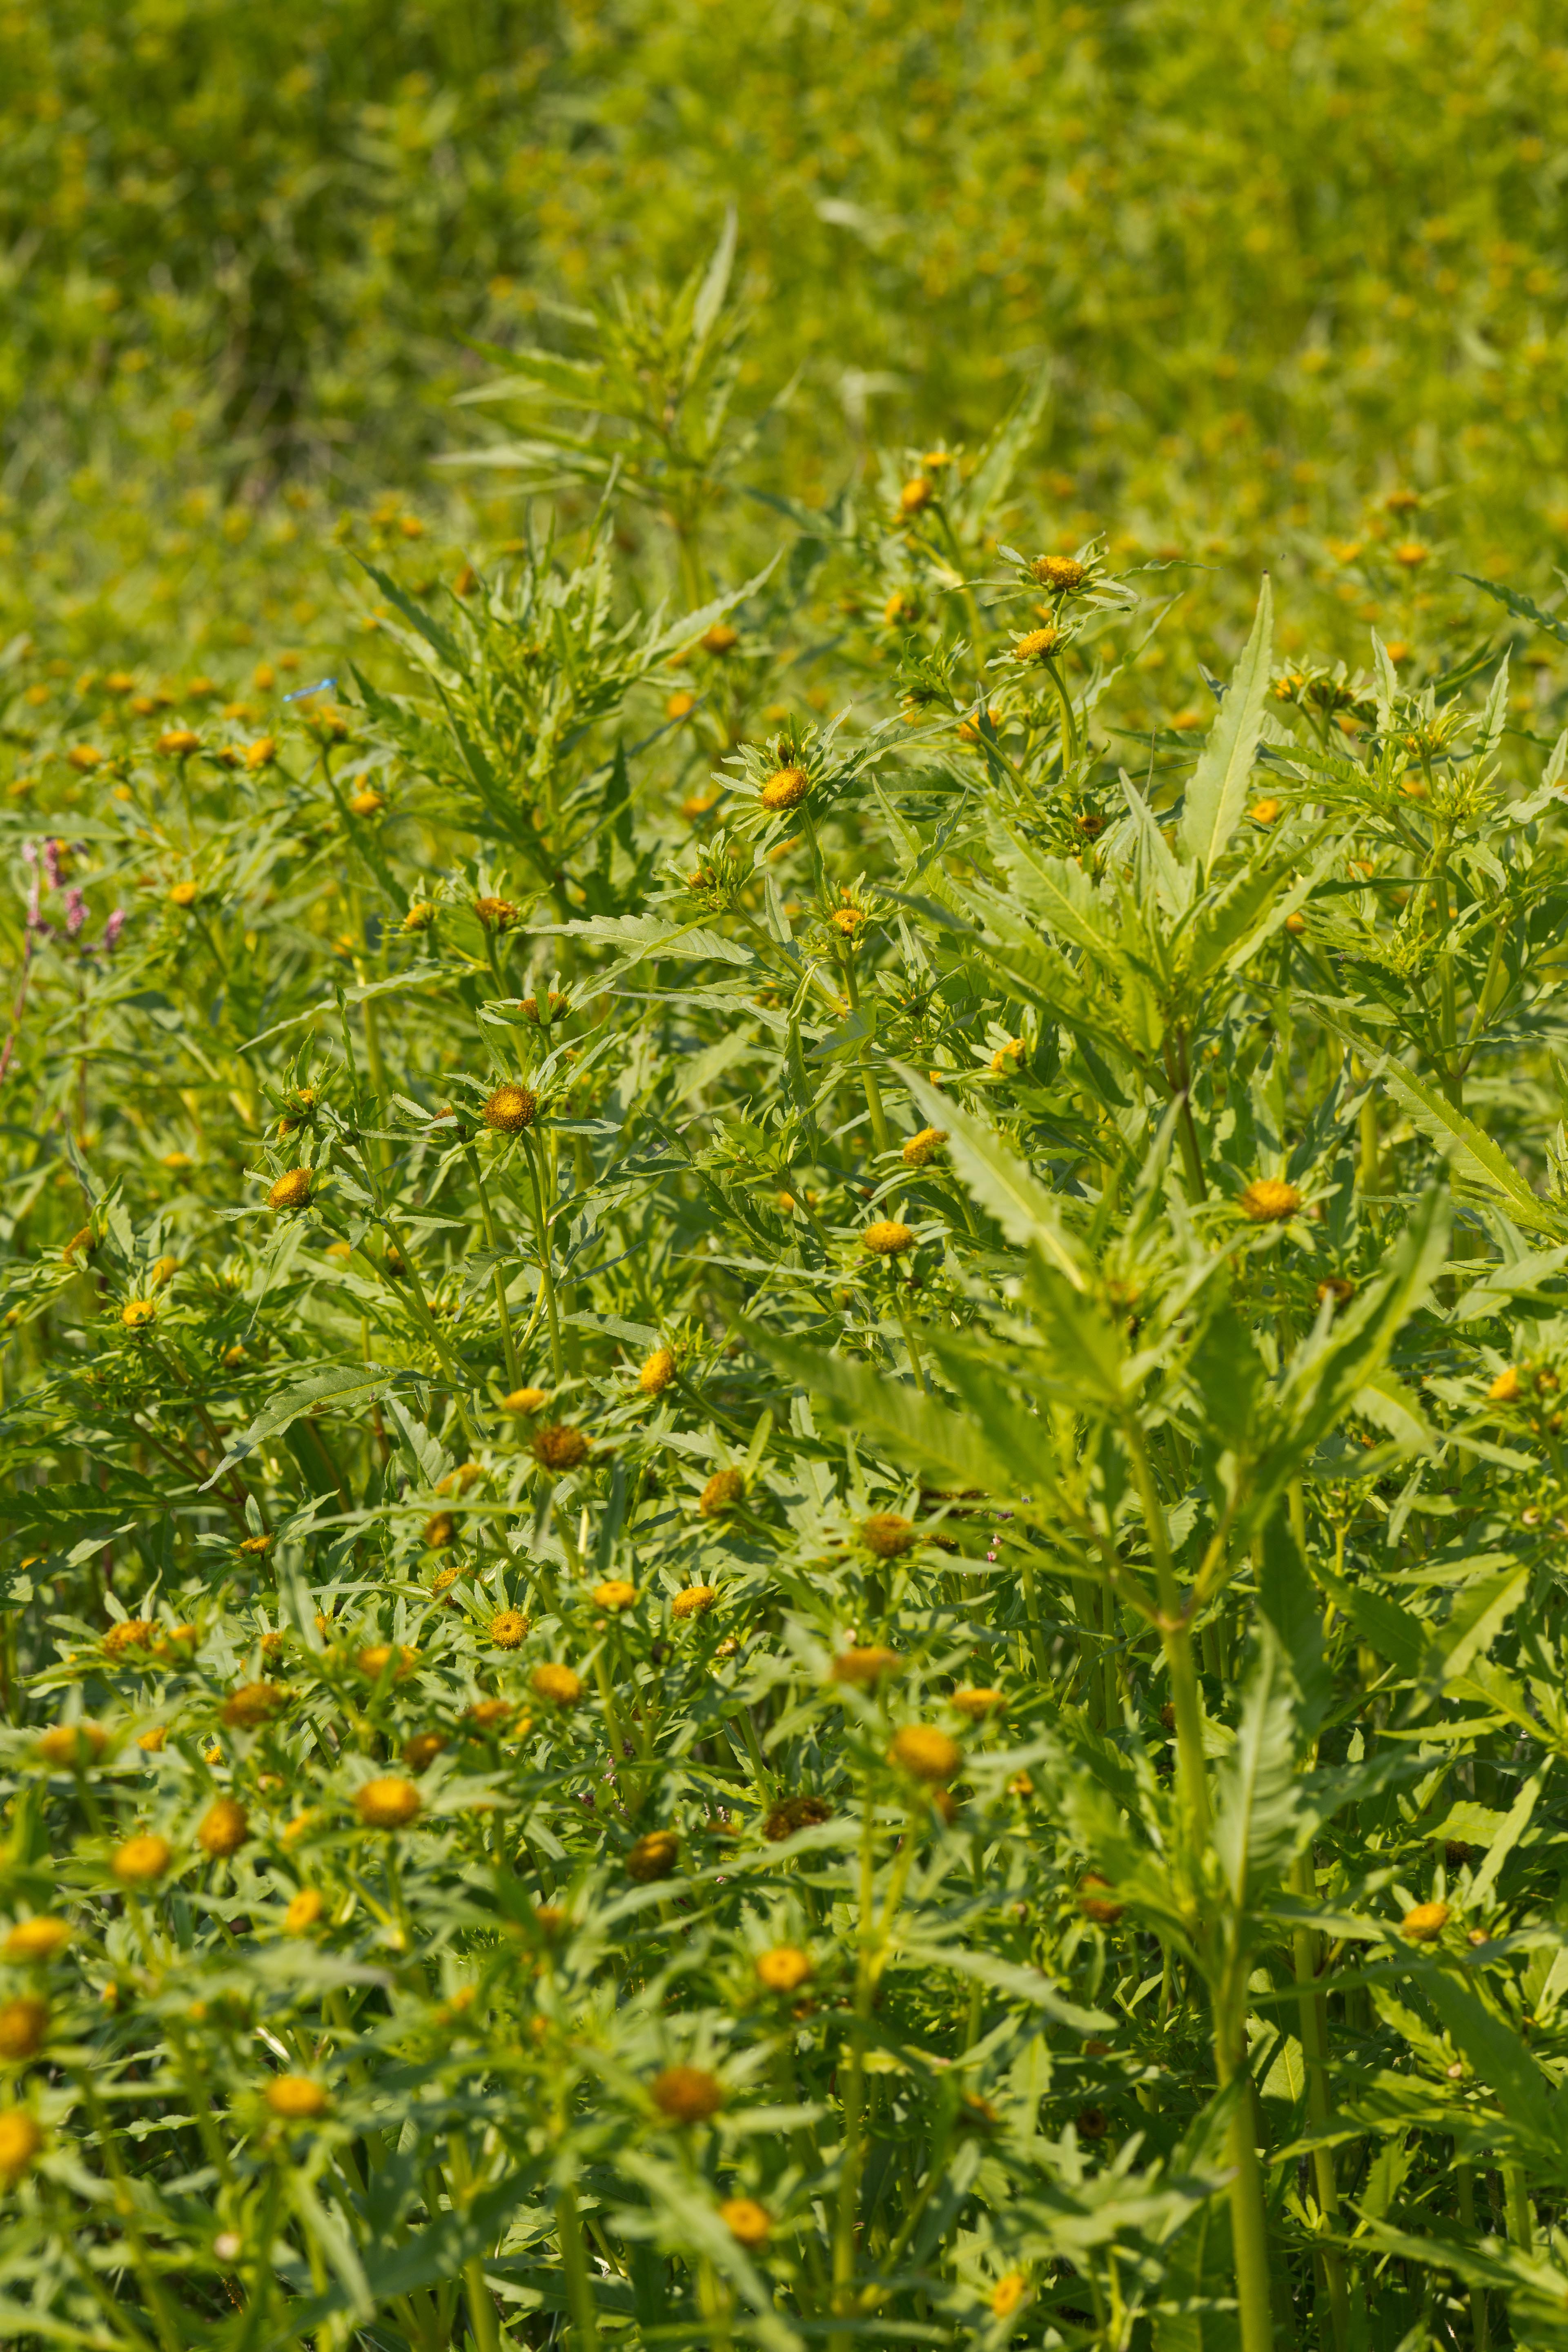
pixel 786 1194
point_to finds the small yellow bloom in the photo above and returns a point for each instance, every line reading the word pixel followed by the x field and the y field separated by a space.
pixel 131 1634
pixel 680 705
pixel 657 1373
pixel 185 894
pixel 303 1912
pixel 925 1753
pixel 78 1744
pixel 261 754
pixel 1270 1201
pixel 178 743
pixel 749 2223
pixel 1062 575
pixel 291 1190
pixel 1426 1923
pixel 654 1856
pixel 720 639
pixel 693 1601
pixel 557 1682
pixel 916 495
pixel 252 1705
pixel 508 1628
pixel 888 1238
pixel 1506 1389
pixel 38 1938
pixel 785 789
pixel 784 1968
pixel 224 1827
pixel 1037 646
pixel 83 756
pixel 140 1860
pixel 20 2142
pixel 687 2094
pixel 560 1447
pixel 388 1803
pixel 866 1668
pixel 888 1535
pixel 138 1313
pixel 922 1149
pixel 525 1400
pixel 367 802
pixel 1265 812
pixel 296 2098
pixel 510 1109
pixel 1008 2294
pixel 722 1492
pixel 24 2022
pixel 615 1594
pixel 978 1703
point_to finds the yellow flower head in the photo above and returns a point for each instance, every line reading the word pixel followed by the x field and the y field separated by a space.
pixel 140 1860
pixel 722 1492
pixel 24 2022
pixel 252 1705
pixel 693 1601
pixel 366 802
pixel 1104 1909
pixel 1506 1389
pixel 178 743
pixel 510 1109
pixel 978 1703
pixel 557 1682
pixel 654 1856
pixel 131 1634
pixel 719 639
pixel 1265 812
pixel 138 1313
pixel 261 754
pixel 525 1400
pixel 38 1938
pixel 888 1238
pixel 185 894
pixel 78 1744
pixel 785 789
pixel 224 1827
pixel 388 1803
pixel 508 1628
pixel 303 1912
pixel 1426 1923
pixel 922 1149
pixel 916 495
pixel 925 1753
pixel 20 2143
pixel 888 1535
pixel 615 1594
pixel 784 1968
pixel 749 2223
pixel 440 1529
pixel 296 2098
pixel 687 2094
pixel 1007 2294
pixel 291 1190
pixel 1270 1201
pixel 560 1447
pixel 421 1751
pixel 866 1668
pixel 657 1373
pixel 1037 646
pixel 1062 575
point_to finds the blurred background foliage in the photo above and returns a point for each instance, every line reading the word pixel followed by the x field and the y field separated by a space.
pixel 1280 261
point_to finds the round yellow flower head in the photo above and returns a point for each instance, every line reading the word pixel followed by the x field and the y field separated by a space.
pixel 20 2143
pixel 557 1682
pixel 1506 1389
pixel 367 802
pixel 1037 646
pixel 303 1912
pixel 925 1753
pixel 420 916
pixel 784 1968
pixel 560 1446
pixel 1104 1909
pixel 85 757
pixel 680 705
pixel 888 1535
pixel 749 2223
pixel 1265 812
pixel 508 1628
pixel 1426 1923
pixel 722 1492
pixel 654 1856
pixel 252 1705
pixel 615 1594
pixel 38 1938
pixel 510 1108
pixel 1008 2294
pixel 866 1668
pixel 138 1313
pixel 178 743
pixel 687 2094
pixel 978 1703
pixel 719 639
pixel 140 1860
pixel 153 1742
pixel 421 1751
pixel 24 2022
pixel 185 894
pixel 78 1744
pixel 224 1827
pixel 1270 1201
pixel 888 1238
pixel 388 1803
pixel 785 789
pixel 291 1190
pixel 922 1149
pixel 131 1634
pixel 1062 575
pixel 694 1601
pixel 916 495
pixel 440 1529
pixel 657 1373
pixel 261 752
pixel 164 1269
pixel 525 1400
pixel 296 2098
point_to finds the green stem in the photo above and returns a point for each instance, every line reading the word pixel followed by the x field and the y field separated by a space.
pixel 574 2263
pixel 509 1344
pixel 1250 2233
pixel 1069 723
pixel 1314 2046
pixel 1177 1637
pixel 541 1235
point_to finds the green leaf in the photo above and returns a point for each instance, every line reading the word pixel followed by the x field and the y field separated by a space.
pixel 1521 606
pixel 911 1427
pixel 1258 1806
pixel 346 1387
pixel 999 1180
pixel 1218 791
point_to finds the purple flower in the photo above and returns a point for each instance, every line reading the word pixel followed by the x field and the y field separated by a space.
pixel 51 862
pixel 76 913
pixel 113 927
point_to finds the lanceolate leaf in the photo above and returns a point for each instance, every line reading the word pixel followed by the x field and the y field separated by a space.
pixel 1218 791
